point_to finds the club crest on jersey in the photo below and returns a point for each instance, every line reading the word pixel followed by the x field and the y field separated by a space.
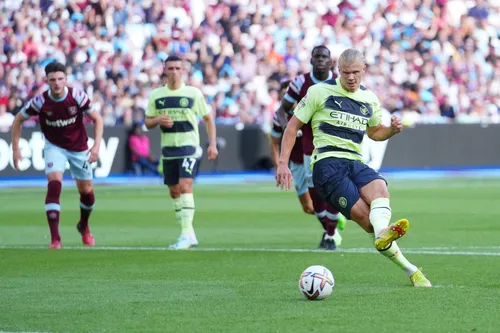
pixel 184 102
pixel 364 110
pixel 72 110
pixel 343 202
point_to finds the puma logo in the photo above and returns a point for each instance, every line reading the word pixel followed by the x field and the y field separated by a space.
pixel 338 103
pixel 161 102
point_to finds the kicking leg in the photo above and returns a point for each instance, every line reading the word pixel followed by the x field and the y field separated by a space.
pixel 378 214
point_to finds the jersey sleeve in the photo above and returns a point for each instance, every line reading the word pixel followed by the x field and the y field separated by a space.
pixel 83 101
pixel 33 107
pixel 376 118
pixel 276 130
pixel 293 92
pixel 307 105
pixel 151 111
pixel 200 105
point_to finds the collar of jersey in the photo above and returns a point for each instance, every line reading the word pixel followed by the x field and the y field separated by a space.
pixel 59 99
pixel 315 80
pixel 182 86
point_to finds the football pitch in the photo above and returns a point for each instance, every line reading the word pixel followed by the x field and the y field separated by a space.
pixel 254 244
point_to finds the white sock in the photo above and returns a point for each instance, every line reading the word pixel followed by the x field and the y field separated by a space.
pixel 380 214
pixel 187 213
pixel 394 253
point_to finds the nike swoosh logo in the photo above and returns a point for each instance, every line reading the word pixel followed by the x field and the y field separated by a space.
pixel 311 291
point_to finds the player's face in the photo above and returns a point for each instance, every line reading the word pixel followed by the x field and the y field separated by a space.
pixel 321 60
pixel 351 75
pixel 57 82
pixel 174 71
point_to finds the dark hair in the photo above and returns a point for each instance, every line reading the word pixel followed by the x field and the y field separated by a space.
pixel 319 47
pixel 55 67
pixel 172 58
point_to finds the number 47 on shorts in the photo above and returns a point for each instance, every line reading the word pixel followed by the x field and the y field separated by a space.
pixel 188 164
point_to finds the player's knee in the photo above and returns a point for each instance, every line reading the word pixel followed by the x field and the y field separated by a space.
pixel 374 190
pixel 175 192
pixel 186 187
pixel 85 188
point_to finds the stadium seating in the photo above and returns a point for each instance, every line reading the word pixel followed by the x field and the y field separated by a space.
pixel 433 61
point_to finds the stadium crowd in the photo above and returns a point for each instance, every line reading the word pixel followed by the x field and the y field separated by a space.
pixel 433 61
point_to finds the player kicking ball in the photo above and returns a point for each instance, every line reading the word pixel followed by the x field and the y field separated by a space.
pixel 61 110
pixel 175 107
pixel 341 111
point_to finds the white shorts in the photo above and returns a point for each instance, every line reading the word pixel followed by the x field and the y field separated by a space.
pixel 57 157
pixel 299 178
pixel 308 170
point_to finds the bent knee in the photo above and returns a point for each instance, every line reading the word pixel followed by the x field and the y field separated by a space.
pixel 175 191
pixel 186 186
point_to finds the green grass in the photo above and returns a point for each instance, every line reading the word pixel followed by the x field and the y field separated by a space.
pixel 454 226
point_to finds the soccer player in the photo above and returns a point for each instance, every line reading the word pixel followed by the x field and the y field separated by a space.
pixel 328 216
pixel 176 108
pixel 61 110
pixel 340 112
pixel 296 158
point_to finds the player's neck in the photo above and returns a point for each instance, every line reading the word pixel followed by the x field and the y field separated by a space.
pixel 58 97
pixel 174 85
pixel 321 76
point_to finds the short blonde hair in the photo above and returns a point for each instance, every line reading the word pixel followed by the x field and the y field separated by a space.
pixel 351 56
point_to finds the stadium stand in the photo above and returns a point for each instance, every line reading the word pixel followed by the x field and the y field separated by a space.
pixel 434 61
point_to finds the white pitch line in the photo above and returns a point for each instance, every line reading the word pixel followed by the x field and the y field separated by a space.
pixel 21 332
pixel 443 251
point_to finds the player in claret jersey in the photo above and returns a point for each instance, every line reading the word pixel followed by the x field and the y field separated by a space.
pixel 61 110
pixel 321 71
pixel 296 158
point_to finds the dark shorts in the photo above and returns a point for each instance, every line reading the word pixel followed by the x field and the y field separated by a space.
pixel 338 181
pixel 178 168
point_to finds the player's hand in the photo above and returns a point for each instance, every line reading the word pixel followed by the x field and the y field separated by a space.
pixel 284 177
pixel 93 154
pixel 165 121
pixel 16 157
pixel 212 152
pixel 396 125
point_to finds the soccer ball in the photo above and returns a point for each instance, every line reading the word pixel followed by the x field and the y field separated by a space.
pixel 316 282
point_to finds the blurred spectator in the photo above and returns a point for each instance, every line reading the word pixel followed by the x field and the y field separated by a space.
pixel 6 119
pixel 432 60
pixel 141 158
